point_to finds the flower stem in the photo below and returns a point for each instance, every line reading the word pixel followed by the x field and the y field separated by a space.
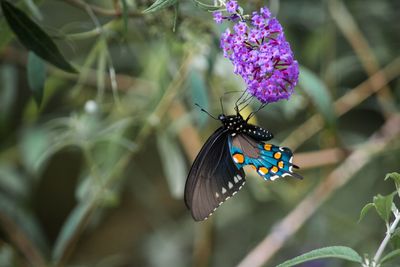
pixel 385 241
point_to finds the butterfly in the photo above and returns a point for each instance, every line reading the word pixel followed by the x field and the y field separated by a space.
pixel 217 172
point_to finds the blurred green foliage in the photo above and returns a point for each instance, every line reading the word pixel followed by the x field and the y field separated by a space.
pixel 94 174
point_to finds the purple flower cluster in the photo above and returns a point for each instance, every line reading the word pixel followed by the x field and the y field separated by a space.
pixel 260 53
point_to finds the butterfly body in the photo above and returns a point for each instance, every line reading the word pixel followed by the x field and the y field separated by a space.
pixel 235 124
pixel 217 172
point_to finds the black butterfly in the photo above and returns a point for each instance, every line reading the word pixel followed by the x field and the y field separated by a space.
pixel 217 172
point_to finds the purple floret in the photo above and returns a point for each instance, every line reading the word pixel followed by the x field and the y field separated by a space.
pixel 218 17
pixel 261 55
pixel 231 6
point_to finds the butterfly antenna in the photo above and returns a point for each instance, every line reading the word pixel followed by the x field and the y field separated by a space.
pixel 238 103
pixel 237 108
pixel 230 92
pixel 222 106
pixel 205 111
pixel 246 102
pixel 246 99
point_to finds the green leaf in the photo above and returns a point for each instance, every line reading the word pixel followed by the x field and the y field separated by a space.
pixel 159 4
pixel 340 252
pixel 33 9
pixel 390 256
pixel 395 240
pixel 33 37
pixel 8 92
pixel 5 34
pixel 125 10
pixel 383 205
pixel 319 94
pixel 396 232
pixel 176 15
pixel 173 163
pixel 12 182
pixel 70 228
pixel 33 144
pixel 6 255
pixel 25 220
pixel 206 6
pixel 364 210
pixel 395 177
pixel 36 76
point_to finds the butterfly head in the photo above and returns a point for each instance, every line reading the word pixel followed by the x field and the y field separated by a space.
pixel 234 123
pixel 222 117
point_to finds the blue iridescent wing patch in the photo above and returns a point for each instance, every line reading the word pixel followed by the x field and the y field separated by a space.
pixel 270 161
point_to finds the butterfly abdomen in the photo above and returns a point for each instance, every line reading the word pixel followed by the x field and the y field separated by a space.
pixel 257 133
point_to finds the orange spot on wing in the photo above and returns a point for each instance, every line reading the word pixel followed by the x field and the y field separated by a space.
pixel 274 169
pixel 253 167
pixel 280 164
pixel 263 170
pixel 238 158
pixel 267 147
pixel 278 155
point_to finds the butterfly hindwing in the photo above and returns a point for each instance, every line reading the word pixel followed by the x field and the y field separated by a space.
pixel 269 161
pixel 213 178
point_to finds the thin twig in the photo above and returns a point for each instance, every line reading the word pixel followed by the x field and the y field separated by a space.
pixel 111 69
pixel 323 157
pixel 188 135
pixel 267 248
pixel 19 238
pixel 348 26
pixel 386 240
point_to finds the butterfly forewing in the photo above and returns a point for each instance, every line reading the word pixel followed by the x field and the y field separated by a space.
pixel 213 177
pixel 194 174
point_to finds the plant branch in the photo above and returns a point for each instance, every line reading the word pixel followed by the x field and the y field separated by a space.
pixel 286 228
pixel 188 135
pixel 386 240
pixel 21 241
pixel 111 69
pixel 322 157
pixel 348 26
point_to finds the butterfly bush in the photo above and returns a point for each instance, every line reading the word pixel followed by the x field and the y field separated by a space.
pixel 259 52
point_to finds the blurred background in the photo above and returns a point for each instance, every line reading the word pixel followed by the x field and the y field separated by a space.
pixel 94 175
